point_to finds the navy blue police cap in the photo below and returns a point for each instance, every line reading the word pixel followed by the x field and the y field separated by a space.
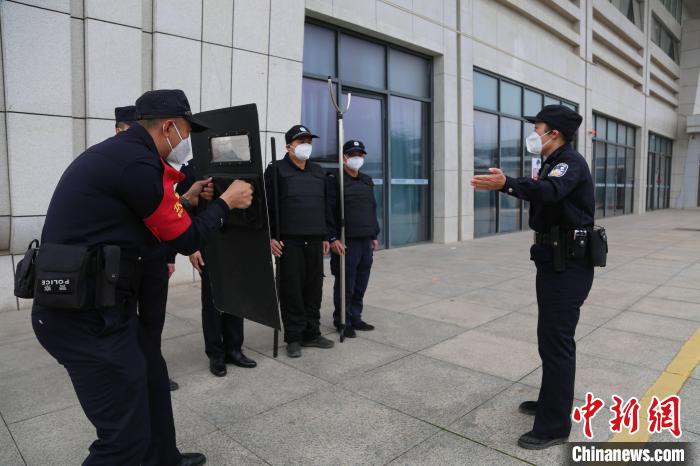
pixel 354 145
pixel 167 103
pixel 559 117
pixel 296 132
pixel 125 114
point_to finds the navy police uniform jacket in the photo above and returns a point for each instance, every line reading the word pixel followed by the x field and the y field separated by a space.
pixel 121 192
pixel 561 196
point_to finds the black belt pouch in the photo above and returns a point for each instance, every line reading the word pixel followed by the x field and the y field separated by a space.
pixel 598 246
pixel 64 277
pixel 25 273
pixel 108 276
pixel 558 250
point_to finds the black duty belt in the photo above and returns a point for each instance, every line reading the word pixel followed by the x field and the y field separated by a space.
pixel 547 239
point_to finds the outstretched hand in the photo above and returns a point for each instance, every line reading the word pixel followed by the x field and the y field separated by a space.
pixel 495 181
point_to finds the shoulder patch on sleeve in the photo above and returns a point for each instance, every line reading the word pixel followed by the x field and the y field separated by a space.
pixel 559 170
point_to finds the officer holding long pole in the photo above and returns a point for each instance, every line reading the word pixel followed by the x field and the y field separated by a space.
pixel 301 218
pixel 361 230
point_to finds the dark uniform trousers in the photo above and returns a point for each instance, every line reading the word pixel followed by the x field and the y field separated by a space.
pixel 107 354
pixel 223 332
pixel 560 296
pixel 301 288
pixel 152 303
pixel 358 264
pixel 119 374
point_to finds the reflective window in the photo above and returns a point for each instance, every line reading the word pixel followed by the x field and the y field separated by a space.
pixel 551 100
pixel 410 165
pixel 632 9
pixel 510 162
pixel 318 113
pixel 659 172
pixel 613 167
pixel 485 156
pixel 675 7
pixel 662 36
pixel 362 62
pixel 409 74
pixel 485 91
pixel 511 98
pixel 319 50
pixel 392 119
pixel 533 102
pixel 499 130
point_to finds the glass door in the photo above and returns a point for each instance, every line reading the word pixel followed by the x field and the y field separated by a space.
pixel 365 121
pixel 409 171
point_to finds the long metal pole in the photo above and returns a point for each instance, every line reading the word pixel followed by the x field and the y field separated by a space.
pixel 275 341
pixel 341 136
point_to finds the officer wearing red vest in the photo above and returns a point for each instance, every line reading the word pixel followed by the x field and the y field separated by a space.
pixel 119 195
pixel 155 268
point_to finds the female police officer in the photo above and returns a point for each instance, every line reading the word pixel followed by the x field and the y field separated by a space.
pixel 120 194
pixel 561 208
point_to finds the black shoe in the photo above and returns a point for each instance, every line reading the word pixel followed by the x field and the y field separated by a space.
pixel 173 385
pixel 530 442
pixel 364 326
pixel 294 349
pixel 217 366
pixel 319 342
pixel 528 407
pixel 337 326
pixel 237 358
pixel 349 332
pixel 192 459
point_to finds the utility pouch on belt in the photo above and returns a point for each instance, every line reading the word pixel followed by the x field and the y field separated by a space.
pixel 64 277
pixel 598 246
pixel 576 244
pixel 558 250
pixel 107 276
pixel 25 273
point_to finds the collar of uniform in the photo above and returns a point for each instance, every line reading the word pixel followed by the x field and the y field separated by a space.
pixel 288 159
pixel 557 153
pixel 145 136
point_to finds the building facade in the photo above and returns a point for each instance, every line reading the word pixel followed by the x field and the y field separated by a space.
pixel 440 89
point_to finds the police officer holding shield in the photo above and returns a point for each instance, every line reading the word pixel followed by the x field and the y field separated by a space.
pixel 361 230
pixel 115 202
pixel 304 240
pixel 156 268
pixel 561 213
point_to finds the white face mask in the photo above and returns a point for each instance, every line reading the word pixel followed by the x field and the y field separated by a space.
pixel 180 152
pixel 303 151
pixel 355 163
pixel 533 143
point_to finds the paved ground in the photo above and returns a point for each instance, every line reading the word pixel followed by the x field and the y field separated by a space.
pixel 438 382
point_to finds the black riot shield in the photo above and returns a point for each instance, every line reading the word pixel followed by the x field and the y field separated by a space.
pixel 239 259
